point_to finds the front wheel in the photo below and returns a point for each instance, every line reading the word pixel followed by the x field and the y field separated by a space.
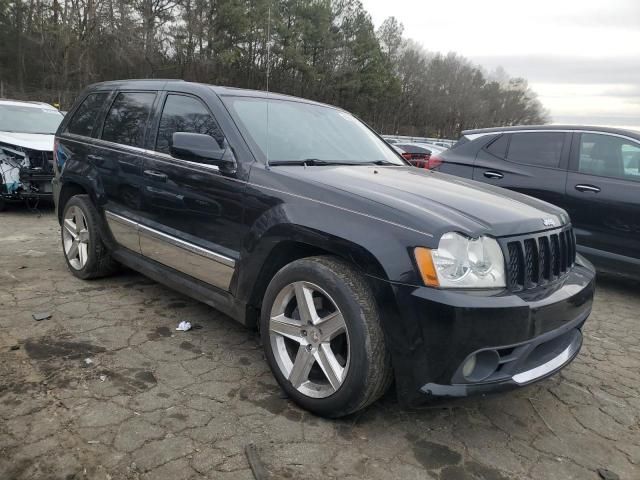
pixel 322 336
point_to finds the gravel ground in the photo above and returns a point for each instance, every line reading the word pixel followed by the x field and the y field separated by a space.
pixel 153 403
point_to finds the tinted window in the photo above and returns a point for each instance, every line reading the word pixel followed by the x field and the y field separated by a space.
pixel 499 146
pixel 127 118
pixel 85 117
pixel 542 149
pixel 185 114
pixel 609 156
pixel 460 142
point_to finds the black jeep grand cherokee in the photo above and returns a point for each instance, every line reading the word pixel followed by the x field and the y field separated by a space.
pixel 295 217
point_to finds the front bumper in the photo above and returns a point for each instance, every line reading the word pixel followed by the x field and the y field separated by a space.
pixel 34 184
pixel 526 336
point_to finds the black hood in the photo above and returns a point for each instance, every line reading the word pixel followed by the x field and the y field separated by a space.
pixel 430 201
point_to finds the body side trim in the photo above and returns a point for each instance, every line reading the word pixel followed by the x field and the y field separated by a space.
pixel 190 259
pixel 203 252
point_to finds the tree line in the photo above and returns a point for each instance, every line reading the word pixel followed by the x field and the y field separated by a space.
pixel 326 50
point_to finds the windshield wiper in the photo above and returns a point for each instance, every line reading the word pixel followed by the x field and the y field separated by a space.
pixel 316 162
pixel 310 162
pixel 382 162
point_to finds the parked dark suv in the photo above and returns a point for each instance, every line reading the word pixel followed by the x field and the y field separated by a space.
pixel 296 218
pixel 591 172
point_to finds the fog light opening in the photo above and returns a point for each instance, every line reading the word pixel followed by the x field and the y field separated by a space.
pixel 469 366
pixel 480 366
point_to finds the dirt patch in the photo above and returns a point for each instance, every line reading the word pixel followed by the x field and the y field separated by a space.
pixel 190 347
pixel 160 332
pixel 50 348
pixel 177 305
pixel 130 380
pixel 433 455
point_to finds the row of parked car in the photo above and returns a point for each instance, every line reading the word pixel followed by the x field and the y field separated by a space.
pixel 296 218
pixel 591 172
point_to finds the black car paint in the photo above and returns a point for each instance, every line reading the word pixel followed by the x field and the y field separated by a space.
pixel 371 216
pixel 606 223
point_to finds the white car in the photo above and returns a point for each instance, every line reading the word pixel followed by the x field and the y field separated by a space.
pixel 26 149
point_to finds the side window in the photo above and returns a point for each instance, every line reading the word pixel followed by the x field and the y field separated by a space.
pixel 499 146
pixel 127 118
pixel 85 117
pixel 609 156
pixel 543 149
pixel 185 114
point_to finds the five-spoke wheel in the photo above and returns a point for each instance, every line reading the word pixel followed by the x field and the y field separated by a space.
pixel 322 335
pixel 75 237
pixel 309 339
pixel 84 250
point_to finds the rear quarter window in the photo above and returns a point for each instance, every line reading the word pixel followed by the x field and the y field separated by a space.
pixel 461 141
pixel 498 147
pixel 85 117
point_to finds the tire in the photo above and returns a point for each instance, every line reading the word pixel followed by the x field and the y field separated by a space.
pixel 334 291
pixel 91 258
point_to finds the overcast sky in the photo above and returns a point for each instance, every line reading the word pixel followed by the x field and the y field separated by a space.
pixel 582 57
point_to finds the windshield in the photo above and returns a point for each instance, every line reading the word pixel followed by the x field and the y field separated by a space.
pixel 19 119
pixel 297 132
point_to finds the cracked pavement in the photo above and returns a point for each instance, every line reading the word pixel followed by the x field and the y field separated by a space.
pixel 154 403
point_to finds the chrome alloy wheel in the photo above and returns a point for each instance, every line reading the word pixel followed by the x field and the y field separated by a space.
pixel 75 238
pixel 309 339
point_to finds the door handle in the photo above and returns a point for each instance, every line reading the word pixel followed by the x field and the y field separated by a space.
pixel 587 188
pixel 157 176
pixel 96 158
pixel 492 174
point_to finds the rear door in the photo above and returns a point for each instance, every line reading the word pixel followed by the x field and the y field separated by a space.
pixel 603 190
pixel 533 163
pixel 460 159
pixel 192 212
pixel 118 155
pixel 75 141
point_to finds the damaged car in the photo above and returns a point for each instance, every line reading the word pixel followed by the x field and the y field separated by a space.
pixel 296 219
pixel 26 150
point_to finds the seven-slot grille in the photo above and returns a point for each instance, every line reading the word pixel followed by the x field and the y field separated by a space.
pixel 539 259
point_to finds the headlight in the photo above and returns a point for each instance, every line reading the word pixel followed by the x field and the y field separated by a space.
pixel 461 262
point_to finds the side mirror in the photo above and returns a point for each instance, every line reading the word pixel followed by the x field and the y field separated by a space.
pixel 200 148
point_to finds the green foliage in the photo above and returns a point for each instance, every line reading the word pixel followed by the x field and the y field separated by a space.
pixel 327 50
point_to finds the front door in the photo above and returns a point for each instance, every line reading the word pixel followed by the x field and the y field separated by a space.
pixel 603 189
pixel 192 212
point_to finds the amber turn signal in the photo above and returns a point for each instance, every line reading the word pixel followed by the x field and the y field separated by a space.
pixel 426 266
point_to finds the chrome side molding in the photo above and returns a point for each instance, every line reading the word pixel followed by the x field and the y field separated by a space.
pixel 193 260
pixel 125 231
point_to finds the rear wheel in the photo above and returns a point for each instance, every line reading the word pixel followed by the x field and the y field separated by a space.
pixel 84 251
pixel 322 336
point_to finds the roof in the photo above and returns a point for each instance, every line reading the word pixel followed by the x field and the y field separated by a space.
pixel 591 128
pixel 23 103
pixel 165 83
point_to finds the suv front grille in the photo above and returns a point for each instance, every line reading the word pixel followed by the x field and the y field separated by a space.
pixel 534 260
